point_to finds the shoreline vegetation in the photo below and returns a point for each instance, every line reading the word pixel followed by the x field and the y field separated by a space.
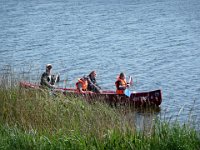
pixel 33 119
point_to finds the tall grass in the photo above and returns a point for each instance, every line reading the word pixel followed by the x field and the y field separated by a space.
pixel 34 119
pixel 38 110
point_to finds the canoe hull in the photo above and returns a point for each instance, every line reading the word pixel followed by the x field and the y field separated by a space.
pixel 135 99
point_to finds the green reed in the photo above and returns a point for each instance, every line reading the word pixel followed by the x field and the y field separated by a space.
pixel 36 109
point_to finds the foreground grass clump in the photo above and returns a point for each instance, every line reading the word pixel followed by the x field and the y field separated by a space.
pixel 14 138
pixel 38 110
pixel 31 119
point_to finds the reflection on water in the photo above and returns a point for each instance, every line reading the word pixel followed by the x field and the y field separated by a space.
pixel 143 118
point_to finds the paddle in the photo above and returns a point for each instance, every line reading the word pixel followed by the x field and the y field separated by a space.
pixel 127 91
pixel 57 78
pixel 130 81
pixel 96 87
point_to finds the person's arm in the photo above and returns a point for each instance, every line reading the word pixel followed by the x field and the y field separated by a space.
pixel 121 87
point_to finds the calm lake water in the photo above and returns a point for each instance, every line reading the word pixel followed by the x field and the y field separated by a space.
pixel 156 42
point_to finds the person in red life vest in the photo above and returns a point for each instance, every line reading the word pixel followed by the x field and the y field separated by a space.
pixel 121 84
pixel 82 84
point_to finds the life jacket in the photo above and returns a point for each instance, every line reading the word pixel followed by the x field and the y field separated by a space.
pixel 83 83
pixel 123 83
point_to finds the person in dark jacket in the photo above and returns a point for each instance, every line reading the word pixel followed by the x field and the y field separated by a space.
pixel 47 79
pixel 92 83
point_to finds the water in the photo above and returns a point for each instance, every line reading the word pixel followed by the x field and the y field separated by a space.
pixel 157 42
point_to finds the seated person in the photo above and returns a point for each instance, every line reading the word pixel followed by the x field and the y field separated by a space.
pixel 121 84
pixel 92 84
pixel 82 84
pixel 47 79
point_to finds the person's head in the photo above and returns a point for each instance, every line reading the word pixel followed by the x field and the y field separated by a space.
pixel 122 75
pixel 93 74
pixel 48 67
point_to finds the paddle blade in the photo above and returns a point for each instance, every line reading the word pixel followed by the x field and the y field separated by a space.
pixel 130 81
pixel 127 92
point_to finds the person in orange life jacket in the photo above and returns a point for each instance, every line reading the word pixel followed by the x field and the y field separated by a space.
pixel 82 84
pixel 47 79
pixel 92 83
pixel 121 84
